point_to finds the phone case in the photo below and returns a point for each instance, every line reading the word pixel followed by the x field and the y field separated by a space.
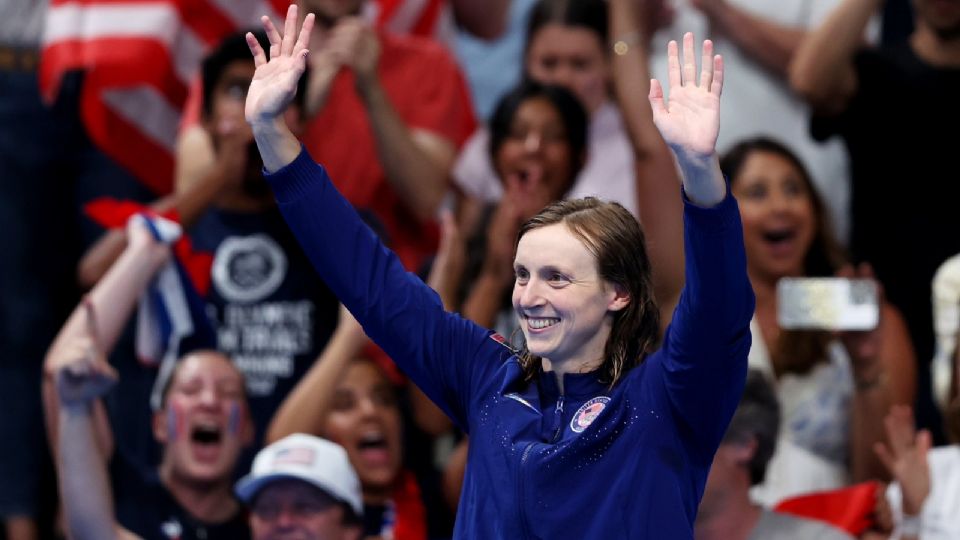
pixel 827 304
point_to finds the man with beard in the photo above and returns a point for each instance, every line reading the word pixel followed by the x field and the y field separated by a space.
pixel 889 105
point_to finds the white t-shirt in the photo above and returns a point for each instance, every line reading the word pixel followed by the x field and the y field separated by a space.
pixel 609 173
pixel 814 442
pixel 940 517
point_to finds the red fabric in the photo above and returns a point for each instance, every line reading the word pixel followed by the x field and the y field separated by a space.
pixel 411 516
pixel 850 509
pixel 113 214
pixel 121 62
pixel 424 25
pixel 428 92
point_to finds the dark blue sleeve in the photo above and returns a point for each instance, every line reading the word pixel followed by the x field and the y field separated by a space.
pixel 441 352
pixel 704 354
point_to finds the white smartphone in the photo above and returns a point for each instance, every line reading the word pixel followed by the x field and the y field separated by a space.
pixel 827 304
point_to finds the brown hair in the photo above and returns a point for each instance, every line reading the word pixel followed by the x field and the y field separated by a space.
pixel 796 351
pixel 614 237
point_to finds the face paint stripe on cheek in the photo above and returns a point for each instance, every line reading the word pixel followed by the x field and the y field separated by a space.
pixel 175 422
pixel 233 425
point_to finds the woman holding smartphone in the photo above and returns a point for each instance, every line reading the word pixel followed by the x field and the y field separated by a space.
pixel 586 432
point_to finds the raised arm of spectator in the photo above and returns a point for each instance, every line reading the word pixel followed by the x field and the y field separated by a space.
pixel 417 162
pixel 661 208
pixel 305 409
pixel 822 70
pixel 77 375
pixel 82 375
pixel 485 20
pixel 884 372
pixel 769 43
pixel 112 299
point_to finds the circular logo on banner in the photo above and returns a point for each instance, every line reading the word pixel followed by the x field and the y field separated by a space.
pixel 248 268
pixel 587 413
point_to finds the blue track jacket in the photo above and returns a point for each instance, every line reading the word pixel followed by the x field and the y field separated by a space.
pixel 592 463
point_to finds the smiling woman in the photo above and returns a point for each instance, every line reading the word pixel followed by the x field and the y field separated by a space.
pixel 552 430
pixel 570 261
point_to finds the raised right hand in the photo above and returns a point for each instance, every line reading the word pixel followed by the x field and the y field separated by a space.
pixel 275 80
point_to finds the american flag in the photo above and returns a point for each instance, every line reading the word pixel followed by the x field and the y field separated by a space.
pixel 297 455
pixel 141 56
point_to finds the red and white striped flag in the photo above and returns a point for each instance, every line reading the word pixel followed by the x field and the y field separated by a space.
pixel 140 57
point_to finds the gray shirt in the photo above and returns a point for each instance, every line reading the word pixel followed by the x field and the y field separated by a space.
pixel 777 526
pixel 21 22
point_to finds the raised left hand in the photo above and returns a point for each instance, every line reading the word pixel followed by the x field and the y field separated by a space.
pixel 689 119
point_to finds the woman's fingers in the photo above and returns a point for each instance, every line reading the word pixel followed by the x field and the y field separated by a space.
pixel 303 41
pixel 716 86
pixel 289 30
pixel 689 60
pixel 673 65
pixel 273 36
pixel 706 64
pixel 259 56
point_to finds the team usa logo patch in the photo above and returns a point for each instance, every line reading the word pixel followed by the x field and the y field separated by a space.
pixel 587 413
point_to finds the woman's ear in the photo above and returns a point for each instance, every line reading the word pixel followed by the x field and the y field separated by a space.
pixel 620 298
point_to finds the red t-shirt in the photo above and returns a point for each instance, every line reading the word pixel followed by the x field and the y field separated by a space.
pixel 428 92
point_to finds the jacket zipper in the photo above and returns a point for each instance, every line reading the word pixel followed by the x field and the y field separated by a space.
pixel 523 514
pixel 558 414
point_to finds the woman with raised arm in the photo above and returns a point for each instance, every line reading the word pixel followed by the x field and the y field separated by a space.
pixel 586 432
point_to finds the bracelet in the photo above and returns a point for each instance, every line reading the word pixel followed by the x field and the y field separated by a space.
pixel 910 525
pixel 622 45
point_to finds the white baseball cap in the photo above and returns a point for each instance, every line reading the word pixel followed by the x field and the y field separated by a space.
pixel 317 461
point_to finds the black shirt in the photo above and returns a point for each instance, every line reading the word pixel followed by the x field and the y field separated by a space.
pixel 145 508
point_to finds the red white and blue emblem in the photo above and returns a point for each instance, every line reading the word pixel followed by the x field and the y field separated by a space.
pixel 587 413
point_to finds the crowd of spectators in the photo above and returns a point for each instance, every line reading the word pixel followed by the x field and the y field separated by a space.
pixel 447 132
